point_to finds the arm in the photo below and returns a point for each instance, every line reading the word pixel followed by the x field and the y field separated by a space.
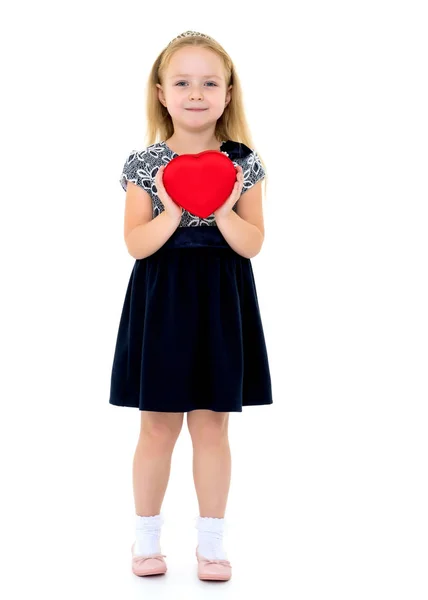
pixel 243 237
pixel 244 230
pixel 146 239
pixel 144 235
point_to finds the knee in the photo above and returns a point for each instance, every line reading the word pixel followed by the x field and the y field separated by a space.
pixel 210 430
pixel 162 431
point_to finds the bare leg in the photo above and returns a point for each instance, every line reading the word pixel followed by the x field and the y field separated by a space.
pixel 211 460
pixel 152 460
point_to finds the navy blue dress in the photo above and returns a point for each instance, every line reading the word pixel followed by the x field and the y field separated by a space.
pixel 190 334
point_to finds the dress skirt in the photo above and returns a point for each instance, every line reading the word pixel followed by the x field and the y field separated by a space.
pixel 190 334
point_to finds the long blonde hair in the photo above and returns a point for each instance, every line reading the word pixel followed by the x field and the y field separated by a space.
pixel 232 125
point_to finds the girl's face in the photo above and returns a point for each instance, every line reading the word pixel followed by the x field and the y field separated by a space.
pixel 194 78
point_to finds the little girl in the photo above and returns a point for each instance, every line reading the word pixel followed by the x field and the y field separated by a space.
pixel 190 337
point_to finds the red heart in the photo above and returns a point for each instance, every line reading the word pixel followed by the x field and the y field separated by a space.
pixel 200 183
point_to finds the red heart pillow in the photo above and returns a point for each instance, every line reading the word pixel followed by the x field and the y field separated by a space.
pixel 200 183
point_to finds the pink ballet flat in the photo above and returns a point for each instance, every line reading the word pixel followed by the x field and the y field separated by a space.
pixel 152 564
pixel 214 570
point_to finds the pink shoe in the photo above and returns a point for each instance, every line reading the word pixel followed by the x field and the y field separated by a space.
pixel 152 564
pixel 214 570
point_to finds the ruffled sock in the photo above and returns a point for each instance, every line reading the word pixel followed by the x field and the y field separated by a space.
pixel 210 538
pixel 148 530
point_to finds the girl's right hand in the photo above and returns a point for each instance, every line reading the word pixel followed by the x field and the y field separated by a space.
pixel 172 208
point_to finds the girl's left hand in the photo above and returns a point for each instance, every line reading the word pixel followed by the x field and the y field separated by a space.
pixel 227 206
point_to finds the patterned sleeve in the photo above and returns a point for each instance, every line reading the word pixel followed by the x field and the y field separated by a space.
pixel 133 170
pixel 252 170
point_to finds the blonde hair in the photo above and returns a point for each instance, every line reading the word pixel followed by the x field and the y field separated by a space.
pixel 232 125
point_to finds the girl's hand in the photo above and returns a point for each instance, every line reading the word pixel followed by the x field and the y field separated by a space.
pixel 172 208
pixel 226 208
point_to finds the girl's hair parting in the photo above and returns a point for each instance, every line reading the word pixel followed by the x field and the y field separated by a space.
pixel 232 125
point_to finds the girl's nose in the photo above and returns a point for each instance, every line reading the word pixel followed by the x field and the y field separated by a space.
pixel 195 94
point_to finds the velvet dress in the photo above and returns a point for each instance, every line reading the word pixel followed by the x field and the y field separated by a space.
pixel 190 333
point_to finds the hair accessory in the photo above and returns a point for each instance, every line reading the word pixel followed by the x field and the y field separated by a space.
pixel 190 34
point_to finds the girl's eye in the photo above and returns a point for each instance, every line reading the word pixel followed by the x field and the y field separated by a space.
pixel 178 83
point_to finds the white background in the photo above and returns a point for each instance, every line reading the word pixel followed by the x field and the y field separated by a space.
pixel 329 484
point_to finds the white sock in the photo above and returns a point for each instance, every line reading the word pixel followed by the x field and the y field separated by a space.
pixel 210 537
pixel 148 531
